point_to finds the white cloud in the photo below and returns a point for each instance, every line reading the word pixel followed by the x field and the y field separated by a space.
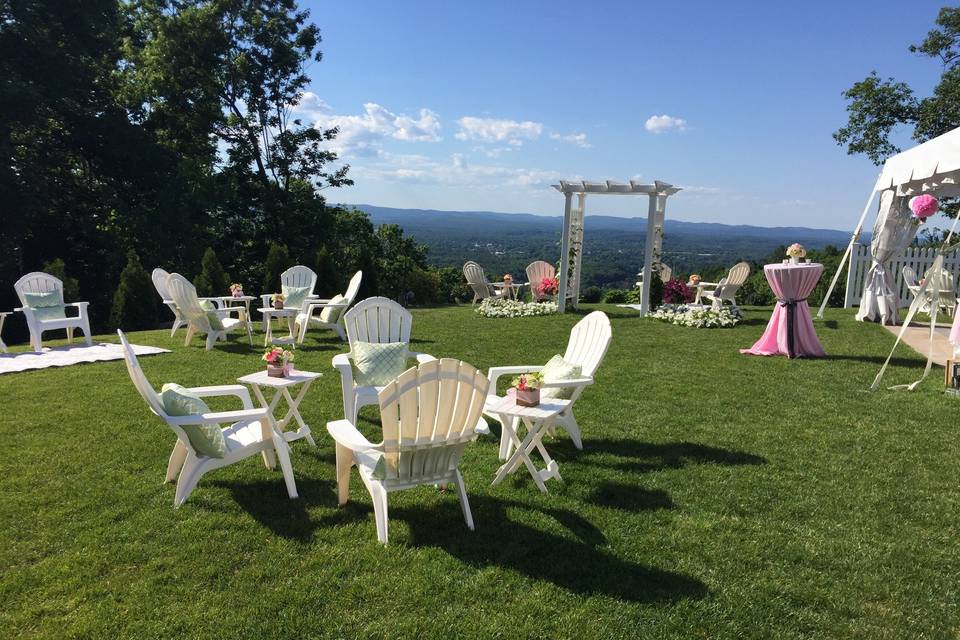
pixel 363 134
pixel 579 139
pixel 512 132
pixel 457 173
pixel 663 123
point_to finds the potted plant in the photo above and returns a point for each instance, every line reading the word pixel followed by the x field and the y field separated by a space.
pixel 278 301
pixel 547 287
pixel 279 362
pixel 527 389
pixel 796 251
pixel 236 290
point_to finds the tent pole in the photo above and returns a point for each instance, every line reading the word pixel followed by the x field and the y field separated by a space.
pixel 846 254
pixel 564 253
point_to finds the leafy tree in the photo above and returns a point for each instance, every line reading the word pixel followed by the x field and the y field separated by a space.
pixel 452 288
pixel 135 301
pixel 278 261
pixel 875 106
pixel 213 280
pixel 329 279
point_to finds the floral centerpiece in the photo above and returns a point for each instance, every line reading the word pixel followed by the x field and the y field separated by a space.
pixel 278 299
pixel 698 317
pixel 676 291
pixel 796 251
pixel 527 389
pixel 694 279
pixel 279 362
pixel 507 278
pixel 236 290
pixel 546 287
pixel 923 206
pixel 508 308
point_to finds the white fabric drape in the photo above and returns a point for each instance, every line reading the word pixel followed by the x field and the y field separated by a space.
pixel 892 233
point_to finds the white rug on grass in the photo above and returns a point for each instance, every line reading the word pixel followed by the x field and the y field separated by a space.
pixel 65 356
pixel 635 307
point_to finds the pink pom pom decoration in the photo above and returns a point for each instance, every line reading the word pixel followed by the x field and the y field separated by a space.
pixel 924 206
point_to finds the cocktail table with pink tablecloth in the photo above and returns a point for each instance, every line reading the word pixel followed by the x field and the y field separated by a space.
pixel 790 331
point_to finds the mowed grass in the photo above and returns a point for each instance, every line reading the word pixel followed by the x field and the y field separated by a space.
pixel 717 495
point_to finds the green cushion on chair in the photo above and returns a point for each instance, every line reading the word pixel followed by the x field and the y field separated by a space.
pixel 559 370
pixel 294 296
pixel 206 439
pixel 215 322
pixel 331 314
pixel 375 365
pixel 46 306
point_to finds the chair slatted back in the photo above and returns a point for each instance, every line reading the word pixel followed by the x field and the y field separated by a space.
pixel 473 273
pixel 159 277
pixel 429 415
pixel 184 295
pixel 537 271
pixel 909 276
pixel 666 273
pixel 144 388
pixel 299 276
pixel 589 340
pixel 37 282
pixel 378 320
pixel 738 273
pixel 353 287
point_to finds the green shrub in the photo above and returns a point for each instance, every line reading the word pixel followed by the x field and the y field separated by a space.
pixel 420 286
pixel 212 281
pixel 452 288
pixel 633 296
pixel 278 261
pixel 135 301
pixel 329 278
pixel 615 296
pixel 591 295
pixel 71 286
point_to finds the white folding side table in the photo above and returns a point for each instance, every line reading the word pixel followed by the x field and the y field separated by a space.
pixel 230 301
pixel 269 313
pixel 537 420
pixel 282 388
pixel 3 316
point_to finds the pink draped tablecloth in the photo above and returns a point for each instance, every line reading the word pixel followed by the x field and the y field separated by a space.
pixel 790 330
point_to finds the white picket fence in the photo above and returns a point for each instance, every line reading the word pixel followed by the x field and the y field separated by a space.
pixel 919 259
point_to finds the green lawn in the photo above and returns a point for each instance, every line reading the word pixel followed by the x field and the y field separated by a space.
pixel 717 495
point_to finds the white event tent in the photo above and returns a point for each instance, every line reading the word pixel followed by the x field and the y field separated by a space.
pixel 571 245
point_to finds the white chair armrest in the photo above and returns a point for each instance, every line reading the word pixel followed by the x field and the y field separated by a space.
pixel 237 390
pixel 702 284
pixel 493 373
pixel 310 306
pixel 220 417
pixel 347 435
pixel 421 357
pixel 78 305
pixel 565 384
pixel 341 362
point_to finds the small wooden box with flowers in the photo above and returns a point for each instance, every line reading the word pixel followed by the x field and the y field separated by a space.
pixel 526 388
pixel 279 362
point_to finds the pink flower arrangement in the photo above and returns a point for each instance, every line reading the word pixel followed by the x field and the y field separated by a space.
pixel 924 206
pixel 278 357
pixel 547 287
pixel 676 291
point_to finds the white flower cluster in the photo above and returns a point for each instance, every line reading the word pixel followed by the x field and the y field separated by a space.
pixel 498 308
pixel 698 317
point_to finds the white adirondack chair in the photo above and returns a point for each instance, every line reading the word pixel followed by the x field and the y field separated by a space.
pixel 251 431
pixel 39 282
pixel 482 288
pixel 589 340
pixel 378 320
pixel 536 272
pixel 159 277
pixel 726 289
pixel 296 276
pixel 185 298
pixel 428 415
pixel 947 299
pixel 306 318
pixel 666 273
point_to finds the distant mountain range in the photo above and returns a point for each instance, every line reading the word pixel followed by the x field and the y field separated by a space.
pixel 613 246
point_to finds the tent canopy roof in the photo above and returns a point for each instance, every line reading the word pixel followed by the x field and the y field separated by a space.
pixel 933 166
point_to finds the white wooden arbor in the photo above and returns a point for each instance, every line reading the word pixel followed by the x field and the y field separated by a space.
pixel 572 238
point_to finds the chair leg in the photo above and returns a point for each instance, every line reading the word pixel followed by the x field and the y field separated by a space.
pixel 87 338
pixel 340 332
pixel 569 423
pixel 344 464
pixel 190 331
pixel 212 339
pixel 189 476
pixel 379 496
pixel 176 325
pixel 175 464
pixel 464 503
pixel 69 335
pixel 283 452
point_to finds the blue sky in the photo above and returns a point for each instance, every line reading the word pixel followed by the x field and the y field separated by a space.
pixel 480 106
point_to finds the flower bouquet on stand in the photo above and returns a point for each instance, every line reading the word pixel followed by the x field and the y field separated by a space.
pixel 278 300
pixel 796 251
pixel 546 288
pixel 279 362
pixel 236 290
pixel 526 388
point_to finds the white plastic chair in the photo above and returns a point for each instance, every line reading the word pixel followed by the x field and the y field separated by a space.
pixel 250 431
pixel 185 298
pixel 666 273
pixel 381 321
pixel 296 276
pixel 306 318
pixel 536 272
pixel 947 298
pixel 482 288
pixel 159 277
pixel 589 340
pixel 428 415
pixel 726 289
pixel 39 282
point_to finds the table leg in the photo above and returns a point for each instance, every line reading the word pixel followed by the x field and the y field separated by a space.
pixel 522 454
pixel 294 412
pixel 290 323
pixel 268 328
pixel 268 456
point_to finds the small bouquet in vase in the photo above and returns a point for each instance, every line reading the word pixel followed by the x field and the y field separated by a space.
pixel 796 251
pixel 278 300
pixel 527 389
pixel 279 362
pixel 236 290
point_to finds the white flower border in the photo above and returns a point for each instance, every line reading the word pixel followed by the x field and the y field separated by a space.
pixel 698 317
pixel 498 308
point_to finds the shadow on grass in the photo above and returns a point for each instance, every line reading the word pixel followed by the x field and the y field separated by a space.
pixel 573 561
pixel 879 360
pixel 629 497
pixel 647 456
